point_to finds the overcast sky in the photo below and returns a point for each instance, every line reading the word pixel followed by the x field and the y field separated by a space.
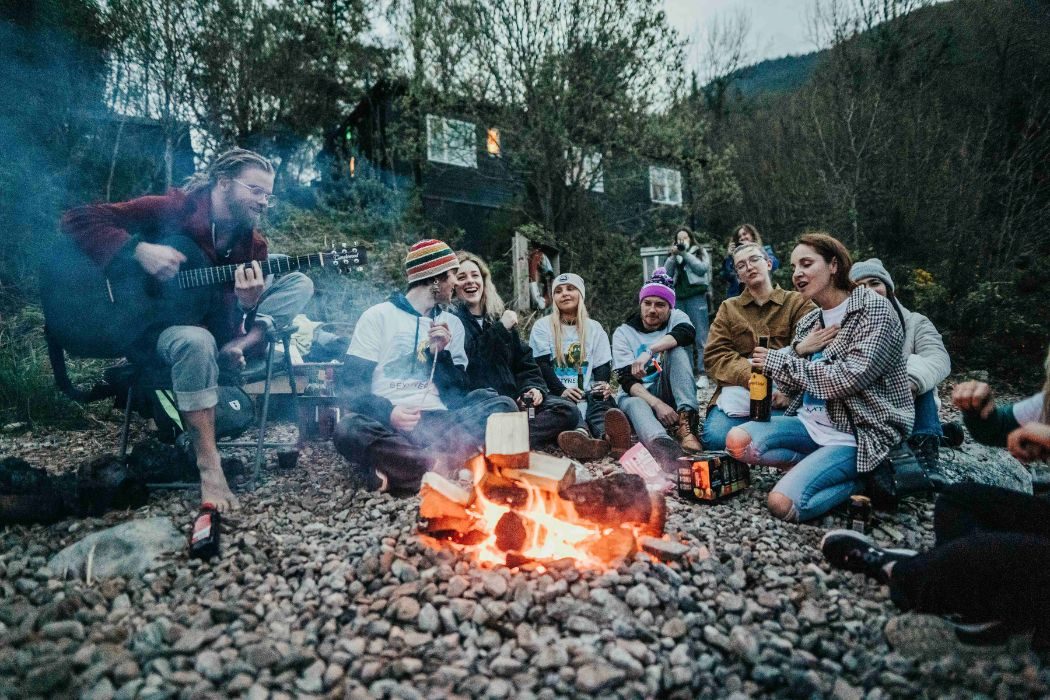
pixel 778 27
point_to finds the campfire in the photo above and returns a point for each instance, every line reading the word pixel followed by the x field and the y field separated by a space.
pixel 523 507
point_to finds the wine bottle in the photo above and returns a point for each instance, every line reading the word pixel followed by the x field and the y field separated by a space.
pixel 761 397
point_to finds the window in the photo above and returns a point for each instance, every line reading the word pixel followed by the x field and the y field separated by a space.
pixel 585 169
pixel 451 141
pixel 492 144
pixel 665 185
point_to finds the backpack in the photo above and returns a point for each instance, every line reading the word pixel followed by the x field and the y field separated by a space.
pixel 234 413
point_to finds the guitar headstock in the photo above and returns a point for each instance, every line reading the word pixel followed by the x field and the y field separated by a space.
pixel 346 259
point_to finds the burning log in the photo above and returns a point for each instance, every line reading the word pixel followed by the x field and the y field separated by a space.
pixel 511 533
pixel 615 543
pixel 444 505
pixel 612 500
pixel 545 472
pixel 507 440
pixel 657 514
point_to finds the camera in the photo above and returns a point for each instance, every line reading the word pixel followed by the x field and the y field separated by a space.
pixel 680 246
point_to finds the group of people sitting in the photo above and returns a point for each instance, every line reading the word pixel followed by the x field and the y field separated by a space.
pixel 853 375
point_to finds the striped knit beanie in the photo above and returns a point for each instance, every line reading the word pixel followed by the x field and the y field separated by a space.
pixel 659 285
pixel 429 258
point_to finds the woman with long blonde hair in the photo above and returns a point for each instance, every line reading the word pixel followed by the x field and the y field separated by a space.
pixel 575 357
pixel 497 358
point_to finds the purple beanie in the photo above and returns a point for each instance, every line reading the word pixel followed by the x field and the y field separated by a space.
pixel 659 285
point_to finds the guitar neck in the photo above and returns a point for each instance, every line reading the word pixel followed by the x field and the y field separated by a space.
pixel 203 276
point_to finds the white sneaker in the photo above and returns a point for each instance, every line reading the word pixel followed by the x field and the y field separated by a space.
pixel 702 382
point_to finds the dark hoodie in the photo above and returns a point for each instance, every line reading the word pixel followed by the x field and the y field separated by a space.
pixel 355 378
pixel 498 358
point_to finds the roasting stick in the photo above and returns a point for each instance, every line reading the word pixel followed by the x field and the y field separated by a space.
pixel 435 314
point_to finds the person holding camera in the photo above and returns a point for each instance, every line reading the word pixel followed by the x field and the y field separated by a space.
pixel 689 267
pixel 497 357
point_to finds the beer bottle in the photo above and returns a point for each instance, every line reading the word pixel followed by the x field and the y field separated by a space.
pixel 761 397
pixel 204 537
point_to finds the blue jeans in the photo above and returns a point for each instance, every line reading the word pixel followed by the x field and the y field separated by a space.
pixel 820 477
pixel 718 424
pixel 695 307
pixel 674 387
pixel 927 419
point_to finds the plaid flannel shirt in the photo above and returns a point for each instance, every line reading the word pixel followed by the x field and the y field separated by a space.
pixel 862 376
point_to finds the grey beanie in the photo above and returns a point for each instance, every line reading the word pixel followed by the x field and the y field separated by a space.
pixel 871 268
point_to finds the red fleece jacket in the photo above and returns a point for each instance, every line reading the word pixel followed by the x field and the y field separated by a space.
pixel 104 231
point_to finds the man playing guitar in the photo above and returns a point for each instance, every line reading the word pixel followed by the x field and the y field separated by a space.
pixel 218 210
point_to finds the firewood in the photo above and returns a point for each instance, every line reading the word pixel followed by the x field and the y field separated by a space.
pixel 612 500
pixel 511 532
pixel 440 498
pixel 657 514
pixel 545 472
pixel 448 524
pixel 507 440
pixel 616 543
pixel 666 550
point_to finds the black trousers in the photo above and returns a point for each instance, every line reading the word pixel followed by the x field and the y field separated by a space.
pixel 991 561
pixel 406 457
pixel 553 416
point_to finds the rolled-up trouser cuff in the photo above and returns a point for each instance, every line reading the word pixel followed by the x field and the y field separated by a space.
pixel 197 400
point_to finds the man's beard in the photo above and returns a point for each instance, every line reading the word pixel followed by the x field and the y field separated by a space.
pixel 244 216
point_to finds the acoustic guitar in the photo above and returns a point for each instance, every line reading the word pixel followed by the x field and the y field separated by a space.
pixel 101 313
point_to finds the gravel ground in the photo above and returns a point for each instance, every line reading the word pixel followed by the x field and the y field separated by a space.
pixel 325 590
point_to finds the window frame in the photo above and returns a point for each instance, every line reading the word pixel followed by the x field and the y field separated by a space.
pixel 659 176
pixel 447 151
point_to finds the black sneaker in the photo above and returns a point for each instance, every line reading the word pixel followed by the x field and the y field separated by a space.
pixel 953 434
pixel 927 451
pixel 852 551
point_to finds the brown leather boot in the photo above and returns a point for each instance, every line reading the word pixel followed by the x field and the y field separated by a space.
pixel 618 432
pixel 684 433
pixel 578 444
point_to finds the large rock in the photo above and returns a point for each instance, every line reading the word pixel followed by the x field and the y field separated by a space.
pixel 983 465
pixel 128 549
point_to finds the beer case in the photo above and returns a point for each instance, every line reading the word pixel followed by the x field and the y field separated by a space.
pixel 710 477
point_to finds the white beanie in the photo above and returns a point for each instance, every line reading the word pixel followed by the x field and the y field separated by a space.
pixel 573 279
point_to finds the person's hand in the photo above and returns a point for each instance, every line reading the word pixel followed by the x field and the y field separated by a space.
pixel 160 261
pixel 248 284
pixel 509 319
pixel 780 400
pixel 572 394
pixel 817 340
pixel 1030 442
pixel 440 337
pixel 404 419
pixel 665 414
pixel 601 389
pixel 974 397
pixel 535 394
pixel 640 363
pixel 758 359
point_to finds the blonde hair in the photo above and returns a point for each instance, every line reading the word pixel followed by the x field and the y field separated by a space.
pixel 491 302
pixel 581 331
pixel 229 165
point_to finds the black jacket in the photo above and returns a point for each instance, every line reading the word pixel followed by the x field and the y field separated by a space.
pixel 498 359
pixel 355 379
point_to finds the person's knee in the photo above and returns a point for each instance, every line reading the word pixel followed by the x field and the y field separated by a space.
pixel 738 441
pixel 299 284
pixel 193 341
pixel 781 507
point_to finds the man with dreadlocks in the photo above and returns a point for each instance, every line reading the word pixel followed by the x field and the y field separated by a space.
pixel 218 209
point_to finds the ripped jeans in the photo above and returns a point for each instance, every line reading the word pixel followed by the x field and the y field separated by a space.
pixel 819 477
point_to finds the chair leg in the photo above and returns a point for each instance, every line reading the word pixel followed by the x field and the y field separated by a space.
pixel 290 371
pixel 265 415
pixel 125 428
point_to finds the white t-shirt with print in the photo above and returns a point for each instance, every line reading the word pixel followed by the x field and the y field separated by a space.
pixel 629 342
pixel 814 411
pixel 541 340
pixel 397 341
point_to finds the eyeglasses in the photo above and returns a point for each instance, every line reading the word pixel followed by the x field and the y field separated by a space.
pixel 753 261
pixel 258 192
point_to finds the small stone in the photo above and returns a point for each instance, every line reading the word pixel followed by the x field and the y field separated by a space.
pixel 551 658
pixel 190 641
pixel 428 619
pixel 65 629
pixel 844 691
pixel 639 596
pixel 742 641
pixel 812 614
pixel 505 666
pixel 675 628
pixel 311 680
pixel 581 625
pixel 405 609
pixel 598 677
pixel 44 680
pixel 209 665
pixel 495 585
pixel 102 690
pixel 457 586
